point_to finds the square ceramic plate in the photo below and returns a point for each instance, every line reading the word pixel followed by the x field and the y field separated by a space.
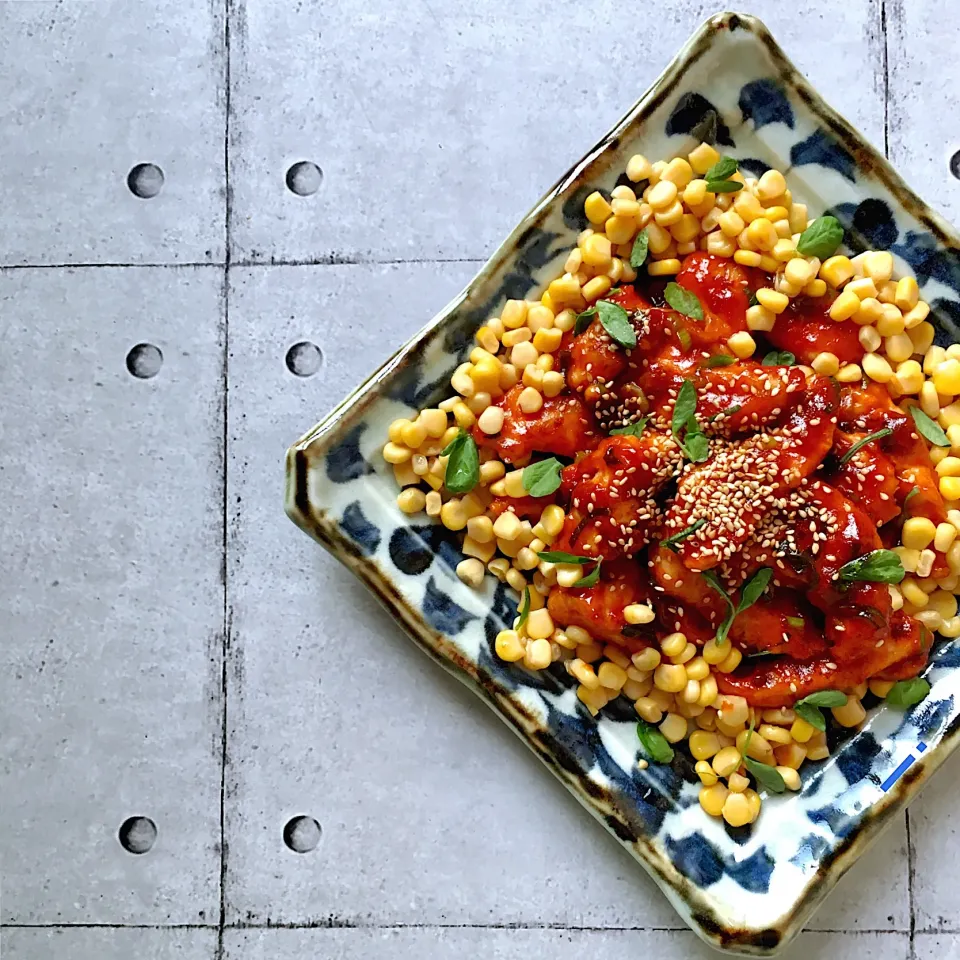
pixel 750 889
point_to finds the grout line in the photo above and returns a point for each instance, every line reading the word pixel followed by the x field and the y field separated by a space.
pixel 348 925
pixel 886 78
pixel 911 872
pixel 224 668
pixel 329 261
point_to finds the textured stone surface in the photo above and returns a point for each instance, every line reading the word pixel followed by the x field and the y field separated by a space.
pixel 436 126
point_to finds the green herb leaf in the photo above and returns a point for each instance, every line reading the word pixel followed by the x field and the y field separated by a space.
pixel 751 296
pixel 723 169
pixel 809 707
pixel 682 535
pixel 616 321
pixel 583 319
pixel 821 238
pixel 685 407
pixel 869 438
pixel 795 622
pixel 463 467
pixel 753 588
pixel 749 595
pixel 877 566
pixel 631 429
pixel 684 337
pixel 724 627
pixel 779 358
pixel 524 608
pixel 695 446
pixel 929 428
pixel 812 714
pixel 540 479
pixel 558 556
pixel 914 490
pixel 721 360
pixel 655 744
pixel 591 578
pixel 766 776
pixel 638 254
pixel 724 186
pixel 906 693
pixel 683 301
pixel 825 698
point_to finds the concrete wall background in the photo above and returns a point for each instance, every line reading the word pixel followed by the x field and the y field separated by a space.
pixel 171 647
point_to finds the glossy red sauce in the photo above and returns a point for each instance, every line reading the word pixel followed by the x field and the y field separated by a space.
pixel 772 493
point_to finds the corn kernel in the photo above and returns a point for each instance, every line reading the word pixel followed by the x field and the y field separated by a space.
pixel 704 744
pixel 538 655
pixel 747 258
pixel 950 488
pixel 673 727
pixel 916 315
pixel 726 761
pixel 749 207
pixel 596 207
pixel 845 306
pixel 742 344
pixel 715 653
pixel 771 185
pixel 671 678
pixel 826 364
pixel 664 268
pixel 673 644
pixel 702 158
pixel 851 714
pixel 909 377
pixel 946 378
pixel 638 168
pixel 908 293
pixel 762 234
pixel 899 348
pixel 509 646
pixel 918 532
pixel 801 731
pixel 836 271
pixel 878 265
pixel 677 171
pixel 713 799
pixel 731 662
pixel 876 367
pixel 772 301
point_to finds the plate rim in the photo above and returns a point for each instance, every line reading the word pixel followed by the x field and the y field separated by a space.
pixel 697 907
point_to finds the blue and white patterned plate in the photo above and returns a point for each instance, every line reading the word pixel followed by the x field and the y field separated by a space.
pixel 749 889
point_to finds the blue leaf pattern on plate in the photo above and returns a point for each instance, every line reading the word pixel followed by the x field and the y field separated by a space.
pixel 695 115
pixel 345 462
pixel 765 101
pixel 443 613
pixel 359 528
pixel 822 149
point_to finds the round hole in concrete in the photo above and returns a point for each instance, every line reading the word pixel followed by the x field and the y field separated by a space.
pixel 301 834
pixel 144 361
pixel 145 180
pixel 304 178
pixel 137 834
pixel 304 359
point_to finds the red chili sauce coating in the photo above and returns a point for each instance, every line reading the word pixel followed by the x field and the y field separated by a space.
pixel 773 491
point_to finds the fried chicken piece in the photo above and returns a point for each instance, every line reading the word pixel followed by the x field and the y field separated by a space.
pixel 610 492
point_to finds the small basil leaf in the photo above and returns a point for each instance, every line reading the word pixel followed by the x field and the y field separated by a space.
pixel 616 321
pixel 655 744
pixel 724 627
pixel 914 490
pixel 672 541
pixel 590 580
pixel 906 693
pixel 724 168
pixel 583 320
pixel 878 566
pixel 631 429
pixel 753 588
pixel 821 238
pixel 524 608
pixel 779 358
pixel 751 296
pixel 542 478
pixel 825 698
pixel 638 254
pixel 696 446
pixel 463 467
pixel 766 776
pixel 724 186
pixel 558 556
pixel 812 714
pixel 683 301
pixel 929 428
pixel 684 408
pixel 869 438
pixel 729 412
pixel 795 622
pixel 721 360
pixel 684 337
